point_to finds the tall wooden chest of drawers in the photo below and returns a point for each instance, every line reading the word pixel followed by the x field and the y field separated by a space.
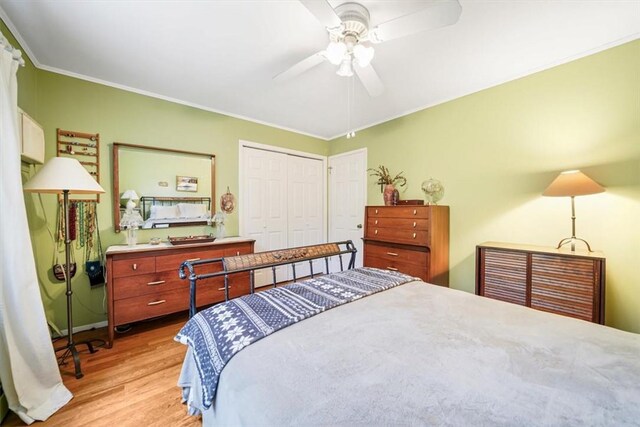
pixel 547 279
pixel 410 239
pixel 143 281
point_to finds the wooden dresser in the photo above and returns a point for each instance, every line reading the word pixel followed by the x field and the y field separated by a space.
pixel 143 282
pixel 410 239
pixel 547 279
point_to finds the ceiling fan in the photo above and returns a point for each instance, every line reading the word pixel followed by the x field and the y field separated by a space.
pixel 351 36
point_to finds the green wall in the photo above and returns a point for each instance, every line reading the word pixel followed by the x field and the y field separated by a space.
pixel 73 104
pixel 496 151
pixel 27 83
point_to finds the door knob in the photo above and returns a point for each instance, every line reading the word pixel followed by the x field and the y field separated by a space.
pixel 359 226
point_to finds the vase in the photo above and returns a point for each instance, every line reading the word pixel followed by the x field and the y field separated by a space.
pixel 388 194
pixel 132 235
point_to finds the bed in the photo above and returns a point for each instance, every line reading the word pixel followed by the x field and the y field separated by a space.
pixel 164 212
pixel 420 354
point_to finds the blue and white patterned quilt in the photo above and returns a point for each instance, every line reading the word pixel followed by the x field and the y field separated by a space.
pixel 218 333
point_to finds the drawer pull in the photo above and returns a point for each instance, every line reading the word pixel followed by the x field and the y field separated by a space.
pixel 237 253
pixel 414 235
pixel 162 301
pixel 134 266
pixel 415 211
pixel 414 224
pixel 376 210
pixel 392 254
pixel 222 288
pixel 375 232
pixel 392 269
pixel 193 259
pixel 376 222
pixel 157 282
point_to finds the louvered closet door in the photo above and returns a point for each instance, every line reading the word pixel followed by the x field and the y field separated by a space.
pixel 505 276
pixel 563 285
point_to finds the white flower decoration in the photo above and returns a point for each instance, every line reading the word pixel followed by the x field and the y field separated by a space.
pixel 229 323
pixel 238 330
pixel 223 316
pixel 240 344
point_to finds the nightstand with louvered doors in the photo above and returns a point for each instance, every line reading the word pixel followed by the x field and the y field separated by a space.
pixel 548 279
pixel 411 239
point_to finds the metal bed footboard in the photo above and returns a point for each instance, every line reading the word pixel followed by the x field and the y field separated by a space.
pixel 269 259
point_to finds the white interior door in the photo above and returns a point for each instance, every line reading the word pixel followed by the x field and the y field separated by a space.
pixel 264 205
pixel 306 207
pixel 347 199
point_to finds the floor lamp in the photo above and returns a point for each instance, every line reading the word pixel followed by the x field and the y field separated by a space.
pixel 62 175
pixel 571 184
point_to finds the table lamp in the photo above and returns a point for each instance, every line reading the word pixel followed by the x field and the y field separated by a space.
pixel 131 195
pixel 571 184
pixel 63 175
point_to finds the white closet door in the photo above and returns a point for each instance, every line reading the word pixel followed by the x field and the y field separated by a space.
pixel 265 214
pixel 305 207
pixel 347 196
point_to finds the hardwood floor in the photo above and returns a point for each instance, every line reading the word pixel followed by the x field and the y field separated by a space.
pixel 131 384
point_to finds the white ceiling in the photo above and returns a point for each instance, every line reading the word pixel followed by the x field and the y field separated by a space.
pixel 222 55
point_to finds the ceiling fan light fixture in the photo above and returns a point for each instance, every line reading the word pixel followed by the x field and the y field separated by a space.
pixel 363 54
pixel 335 52
pixel 345 69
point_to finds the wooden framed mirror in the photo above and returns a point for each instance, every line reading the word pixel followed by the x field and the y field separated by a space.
pixel 173 187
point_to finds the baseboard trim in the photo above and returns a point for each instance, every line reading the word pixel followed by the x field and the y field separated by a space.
pixel 88 327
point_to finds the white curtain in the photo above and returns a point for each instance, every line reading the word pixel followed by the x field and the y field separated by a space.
pixel 28 368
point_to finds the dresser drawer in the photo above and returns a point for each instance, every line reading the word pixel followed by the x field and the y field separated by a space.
pixel 398 236
pixel 395 265
pixel 133 266
pixel 400 223
pixel 398 212
pixel 144 284
pixel 392 254
pixel 209 292
pixel 172 262
pixel 148 306
pixel 239 249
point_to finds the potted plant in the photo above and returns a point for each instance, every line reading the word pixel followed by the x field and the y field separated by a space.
pixel 388 183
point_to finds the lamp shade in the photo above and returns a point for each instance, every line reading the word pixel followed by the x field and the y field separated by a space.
pixel 60 174
pixel 572 183
pixel 130 194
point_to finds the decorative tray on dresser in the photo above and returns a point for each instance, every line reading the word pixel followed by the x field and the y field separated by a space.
pixel 410 239
pixel 548 279
pixel 143 282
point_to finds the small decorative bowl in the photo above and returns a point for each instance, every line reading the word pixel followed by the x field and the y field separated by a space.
pixel 154 241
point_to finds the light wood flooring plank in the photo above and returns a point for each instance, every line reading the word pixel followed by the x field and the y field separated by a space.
pixel 131 384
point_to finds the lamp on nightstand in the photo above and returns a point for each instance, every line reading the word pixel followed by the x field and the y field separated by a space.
pixel 63 175
pixel 571 184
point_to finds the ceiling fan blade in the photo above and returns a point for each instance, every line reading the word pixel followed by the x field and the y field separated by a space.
pixel 323 12
pixel 432 17
pixel 370 80
pixel 299 68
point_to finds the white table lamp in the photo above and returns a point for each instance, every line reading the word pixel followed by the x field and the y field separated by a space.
pixel 131 195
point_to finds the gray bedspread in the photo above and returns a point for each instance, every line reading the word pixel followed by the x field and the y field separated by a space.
pixel 420 354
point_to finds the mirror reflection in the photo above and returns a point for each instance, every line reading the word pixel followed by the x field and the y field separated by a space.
pixel 160 188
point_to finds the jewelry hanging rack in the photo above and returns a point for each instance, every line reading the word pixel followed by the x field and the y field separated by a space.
pixel 85 147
